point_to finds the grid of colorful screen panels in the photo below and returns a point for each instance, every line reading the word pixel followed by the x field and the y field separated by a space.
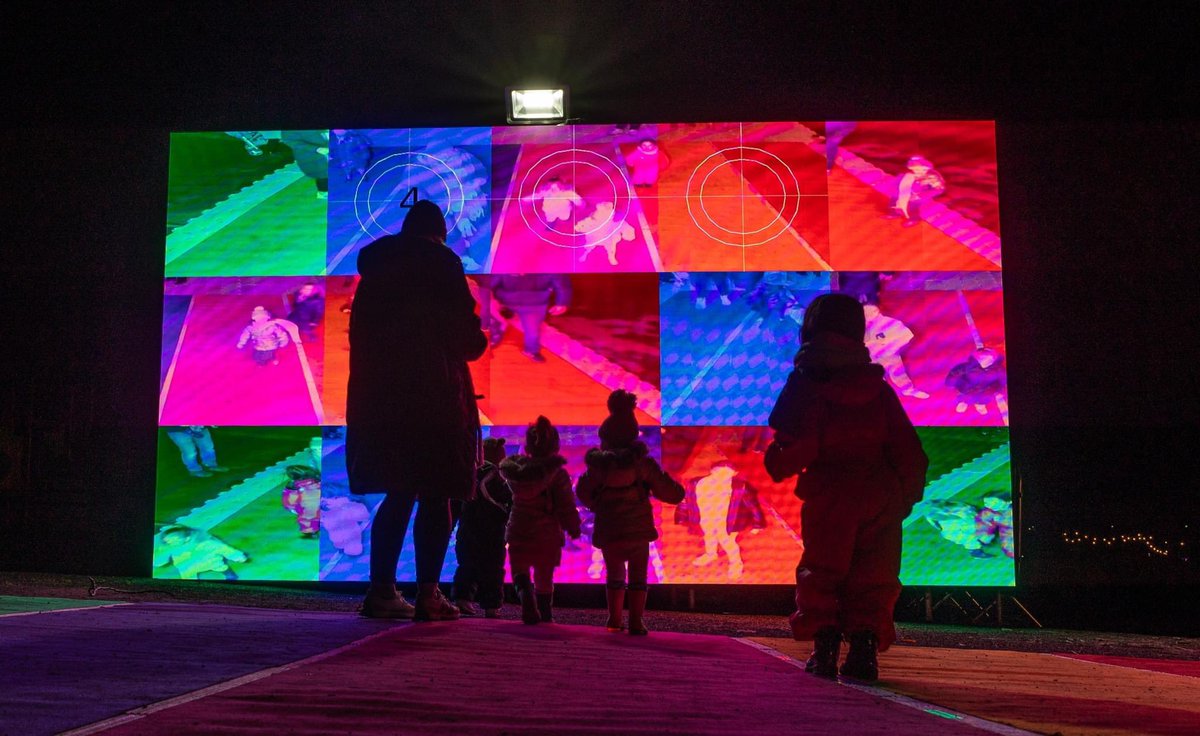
pixel 674 260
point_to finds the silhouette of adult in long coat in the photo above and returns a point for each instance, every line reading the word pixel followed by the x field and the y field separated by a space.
pixel 412 424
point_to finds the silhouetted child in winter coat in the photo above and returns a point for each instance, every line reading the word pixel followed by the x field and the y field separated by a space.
pixel 542 509
pixel 840 427
pixel 617 486
pixel 479 544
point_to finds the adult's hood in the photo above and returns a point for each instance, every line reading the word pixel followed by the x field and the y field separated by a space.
pixel 395 255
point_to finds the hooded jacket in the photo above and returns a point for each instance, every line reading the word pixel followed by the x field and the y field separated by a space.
pixel 483 519
pixel 542 505
pixel 842 429
pixel 412 422
pixel 617 486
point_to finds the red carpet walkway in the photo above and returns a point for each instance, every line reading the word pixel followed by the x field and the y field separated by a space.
pixel 158 668
pixel 155 668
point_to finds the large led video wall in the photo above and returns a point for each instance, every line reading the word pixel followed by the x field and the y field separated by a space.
pixel 675 261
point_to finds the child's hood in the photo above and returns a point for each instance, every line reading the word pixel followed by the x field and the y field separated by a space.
pixel 530 475
pixel 839 371
pixel 852 385
pixel 617 468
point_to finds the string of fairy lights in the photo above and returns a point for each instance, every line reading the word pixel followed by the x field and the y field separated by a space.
pixel 1160 547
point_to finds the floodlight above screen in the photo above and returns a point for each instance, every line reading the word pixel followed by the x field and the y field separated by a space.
pixel 537 106
pixel 675 261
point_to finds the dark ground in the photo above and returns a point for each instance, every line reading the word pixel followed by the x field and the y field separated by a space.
pixel 1027 639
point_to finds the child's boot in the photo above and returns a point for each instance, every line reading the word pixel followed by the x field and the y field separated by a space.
pixel 637 607
pixel 529 607
pixel 827 645
pixel 545 603
pixel 432 605
pixel 616 609
pixel 862 660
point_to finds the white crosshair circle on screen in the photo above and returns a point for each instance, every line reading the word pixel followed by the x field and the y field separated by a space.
pixel 745 155
pixel 404 172
pixel 621 189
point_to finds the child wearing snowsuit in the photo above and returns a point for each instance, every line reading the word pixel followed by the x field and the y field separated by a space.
pixel 841 428
pixel 302 496
pixel 264 335
pixel 542 509
pixel 479 544
pixel 977 380
pixel 620 479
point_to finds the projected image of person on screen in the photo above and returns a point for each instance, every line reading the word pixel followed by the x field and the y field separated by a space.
pixel 779 298
pixel 311 150
pixel 977 380
pixel 193 552
pixel 558 200
pixel 645 163
pixel 302 497
pixel 914 187
pixel 530 297
pixel 861 468
pixel 349 152
pixel 265 336
pixel 253 140
pixel 308 309
pixel 197 450
pixel 705 283
pixel 886 338
pixel 835 132
pixel 412 425
pixel 710 487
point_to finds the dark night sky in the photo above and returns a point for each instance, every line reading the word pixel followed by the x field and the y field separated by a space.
pixel 1096 161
